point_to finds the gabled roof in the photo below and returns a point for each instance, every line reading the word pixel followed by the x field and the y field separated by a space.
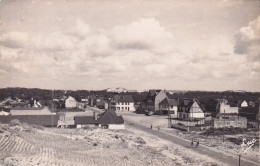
pixel 123 98
pixel 85 120
pixel 172 102
pixel 164 101
pixel 153 92
pixel 110 117
pixel 107 117
pixel 186 103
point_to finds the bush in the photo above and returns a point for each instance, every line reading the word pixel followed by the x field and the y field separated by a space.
pixel 15 122
pixel 226 131
pixel 140 140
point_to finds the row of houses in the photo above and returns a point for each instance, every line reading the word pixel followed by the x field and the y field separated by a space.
pixel 190 112
pixel 107 120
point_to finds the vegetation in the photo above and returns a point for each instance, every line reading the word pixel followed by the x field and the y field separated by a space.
pixel 224 131
pixel 207 99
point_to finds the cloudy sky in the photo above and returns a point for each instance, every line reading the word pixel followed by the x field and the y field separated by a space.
pixel 135 44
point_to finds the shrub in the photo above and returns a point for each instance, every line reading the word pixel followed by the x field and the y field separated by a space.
pixel 15 122
pixel 140 140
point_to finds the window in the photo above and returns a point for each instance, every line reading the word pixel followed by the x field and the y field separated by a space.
pixel 122 108
pixel 123 103
pixel 125 108
pixel 128 108
pixel 118 108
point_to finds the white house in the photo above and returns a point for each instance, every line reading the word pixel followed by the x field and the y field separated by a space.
pixel 70 102
pixel 122 103
pixel 244 104
pixel 189 109
pixel 224 108
pixel 169 106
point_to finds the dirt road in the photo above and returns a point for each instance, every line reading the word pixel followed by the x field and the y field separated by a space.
pixel 201 149
pixel 228 159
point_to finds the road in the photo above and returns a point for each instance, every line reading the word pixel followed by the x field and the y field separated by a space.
pixel 228 159
pixel 201 149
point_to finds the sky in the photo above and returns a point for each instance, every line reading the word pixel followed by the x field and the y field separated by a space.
pixel 211 45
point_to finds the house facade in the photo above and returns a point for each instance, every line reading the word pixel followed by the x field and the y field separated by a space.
pixel 244 104
pixel 169 106
pixel 190 109
pixel 223 107
pixel 70 102
pixel 153 98
pixel 107 120
pixel 122 103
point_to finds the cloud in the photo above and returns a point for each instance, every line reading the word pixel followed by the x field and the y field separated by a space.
pixel 147 33
pixel 81 29
pixel 14 39
pixel 247 40
pixel 55 41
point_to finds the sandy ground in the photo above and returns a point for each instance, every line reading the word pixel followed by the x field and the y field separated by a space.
pixel 24 145
pixel 213 142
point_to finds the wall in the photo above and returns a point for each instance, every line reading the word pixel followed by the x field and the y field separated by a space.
pixel 117 126
pixel 129 106
pixel 234 122
pixel 187 123
pixel 227 109
pixel 160 96
pixel 70 102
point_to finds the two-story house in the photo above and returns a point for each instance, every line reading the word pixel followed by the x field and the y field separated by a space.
pixel 122 103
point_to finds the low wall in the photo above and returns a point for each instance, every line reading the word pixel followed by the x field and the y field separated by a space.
pixel 187 123
pixel 234 122
pixel 117 126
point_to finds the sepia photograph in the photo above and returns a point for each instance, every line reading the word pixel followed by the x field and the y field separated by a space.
pixel 129 82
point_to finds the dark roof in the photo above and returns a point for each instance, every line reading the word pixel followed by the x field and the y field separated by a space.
pixel 186 103
pixel 85 120
pixel 153 92
pixel 110 117
pixel 123 98
pixel 249 112
pixel 107 117
pixel 164 101
pixel 172 102
pixel 43 120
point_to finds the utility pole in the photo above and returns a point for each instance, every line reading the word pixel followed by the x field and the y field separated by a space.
pixel 239 156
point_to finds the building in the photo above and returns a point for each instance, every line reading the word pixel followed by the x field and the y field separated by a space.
pixel 101 103
pixel 122 103
pixel 244 104
pixel 42 120
pixel 230 120
pixel 228 116
pixel 190 109
pixel 93 101
pixel 223 107
pixel 31 111
pixel 153 98
pixel 70 102
pixel 108 120
pixel 169 106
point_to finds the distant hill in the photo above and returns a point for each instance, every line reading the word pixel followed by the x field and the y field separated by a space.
pixel 119 90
